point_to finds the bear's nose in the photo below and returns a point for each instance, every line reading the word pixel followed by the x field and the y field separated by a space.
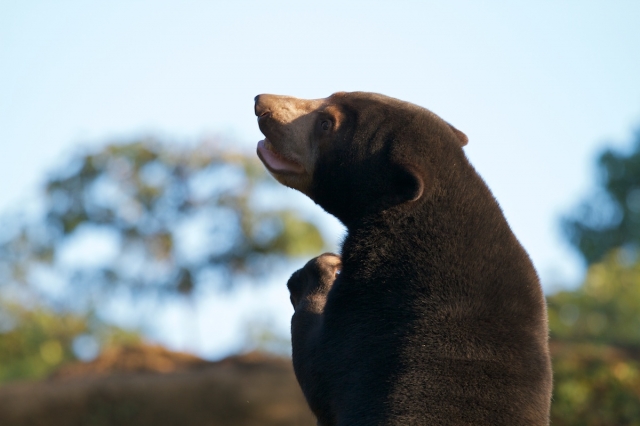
pixel 261 109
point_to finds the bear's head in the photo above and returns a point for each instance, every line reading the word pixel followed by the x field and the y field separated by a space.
pixel 355 153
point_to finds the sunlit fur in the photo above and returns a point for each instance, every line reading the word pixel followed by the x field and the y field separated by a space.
pixel 436 316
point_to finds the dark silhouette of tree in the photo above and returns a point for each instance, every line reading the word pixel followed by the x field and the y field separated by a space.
pixel 595 329
pixel 610 216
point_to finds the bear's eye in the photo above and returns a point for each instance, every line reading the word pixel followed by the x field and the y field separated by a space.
pixel 325 125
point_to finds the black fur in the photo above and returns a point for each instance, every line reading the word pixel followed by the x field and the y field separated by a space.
pixel 436 316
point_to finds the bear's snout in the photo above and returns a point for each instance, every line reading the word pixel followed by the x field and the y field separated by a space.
pixel 261 107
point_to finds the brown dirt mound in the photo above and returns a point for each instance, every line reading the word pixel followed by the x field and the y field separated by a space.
pixel 133 359
pixel 149 385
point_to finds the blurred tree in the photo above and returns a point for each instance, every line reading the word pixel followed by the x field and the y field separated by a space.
pixel 594 385
pixel 147 216
pixel 595 333
pixel 595 329
pixel 605 309
pixel 36 341
pixel 610 217
pixel 144 217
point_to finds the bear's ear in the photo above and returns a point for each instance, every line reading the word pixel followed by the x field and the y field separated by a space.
pixel 462 138
pixel 408 183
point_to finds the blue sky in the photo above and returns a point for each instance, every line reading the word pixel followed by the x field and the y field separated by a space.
pixel 539 87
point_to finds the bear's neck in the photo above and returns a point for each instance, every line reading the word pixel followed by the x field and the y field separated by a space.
pixel 460 224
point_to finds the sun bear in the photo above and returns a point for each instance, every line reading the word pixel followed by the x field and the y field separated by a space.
pixel 433 313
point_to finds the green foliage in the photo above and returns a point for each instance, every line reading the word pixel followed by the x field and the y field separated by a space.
pixel 34 342
pixel 610 217
pixel 605 309
pixel 596 328
pixel 595 385
pixel 595 333
pixel 177 216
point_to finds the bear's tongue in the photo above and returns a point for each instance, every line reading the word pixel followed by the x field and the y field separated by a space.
pixel 276 162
